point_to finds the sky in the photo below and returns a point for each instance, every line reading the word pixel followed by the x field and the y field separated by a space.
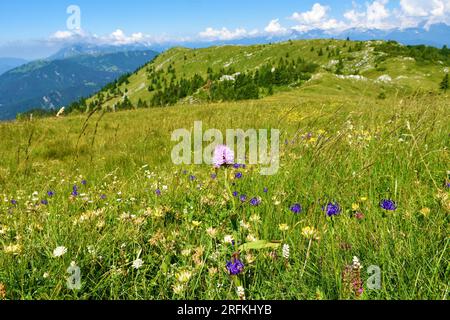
pixel 32 29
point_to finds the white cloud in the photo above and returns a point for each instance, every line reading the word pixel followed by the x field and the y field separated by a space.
pixel 315 15
pixel 118 37
pixel 316 18
pixel 377 12
pixel 413 12
pixel 67 35
pixel 224 34
pixel 274 27
pixel 374 16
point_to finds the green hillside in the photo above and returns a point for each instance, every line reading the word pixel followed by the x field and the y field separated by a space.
pixel 378 67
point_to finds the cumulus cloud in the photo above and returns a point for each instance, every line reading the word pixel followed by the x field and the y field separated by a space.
pixel 316 18
pixel 317 14
pixel 225 34
pixel 274 27
pixel 413 12
pixel 375 15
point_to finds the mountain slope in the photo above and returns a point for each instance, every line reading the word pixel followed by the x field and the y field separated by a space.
pixel 54 83
pixel 7 64
pixel 375 66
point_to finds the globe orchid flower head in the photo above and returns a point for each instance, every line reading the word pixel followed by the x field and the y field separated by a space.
pixel 388 205
pixel 296 208
pixel 332 209
pixel 235 266
pixel 223 156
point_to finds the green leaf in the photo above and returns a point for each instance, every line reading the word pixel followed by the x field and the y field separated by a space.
pixel 260 244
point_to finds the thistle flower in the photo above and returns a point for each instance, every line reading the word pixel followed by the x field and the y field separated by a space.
pixel 286 252
pixel 296 208
pixel 223 156
pixel 212 232
pixel 388 205
pixel 184 276
pixel 235 266
pixel 59 251
pixel 178 288
pixel 332 209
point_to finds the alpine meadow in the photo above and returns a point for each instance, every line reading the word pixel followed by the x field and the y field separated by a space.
pixel 94 208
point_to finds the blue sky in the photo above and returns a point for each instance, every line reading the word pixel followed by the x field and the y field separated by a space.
pixel 37 27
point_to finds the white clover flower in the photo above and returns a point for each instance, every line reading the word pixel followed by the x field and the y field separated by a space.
pixel 244 225
pixel 356 264
pixel 240 292
pixel 59 251
pixel 138 263
pixel 228 239
pixel 286 251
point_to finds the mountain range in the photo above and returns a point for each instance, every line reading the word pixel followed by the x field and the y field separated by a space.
pixel 69 75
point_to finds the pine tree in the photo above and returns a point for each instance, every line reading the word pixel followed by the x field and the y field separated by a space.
pixel 445 83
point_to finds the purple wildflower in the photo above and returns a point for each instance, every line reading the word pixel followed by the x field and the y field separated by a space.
pixel 388 205
pixel 332 209
pixel 214 176
pixel 266 190
pixel 243 198
pixel 238 175
pixel 84 182
pixel 296 208
pixel 235 194
pixel 223 156
pixel 50 193
pixel 158 192
pixel 235 267
pixel 192 178
pixel 74 191
pixel 44 202
pixel 14 202
pixel 103 196
pixel 255 202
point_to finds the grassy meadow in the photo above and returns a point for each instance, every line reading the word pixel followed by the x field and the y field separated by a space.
pixel 102 193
